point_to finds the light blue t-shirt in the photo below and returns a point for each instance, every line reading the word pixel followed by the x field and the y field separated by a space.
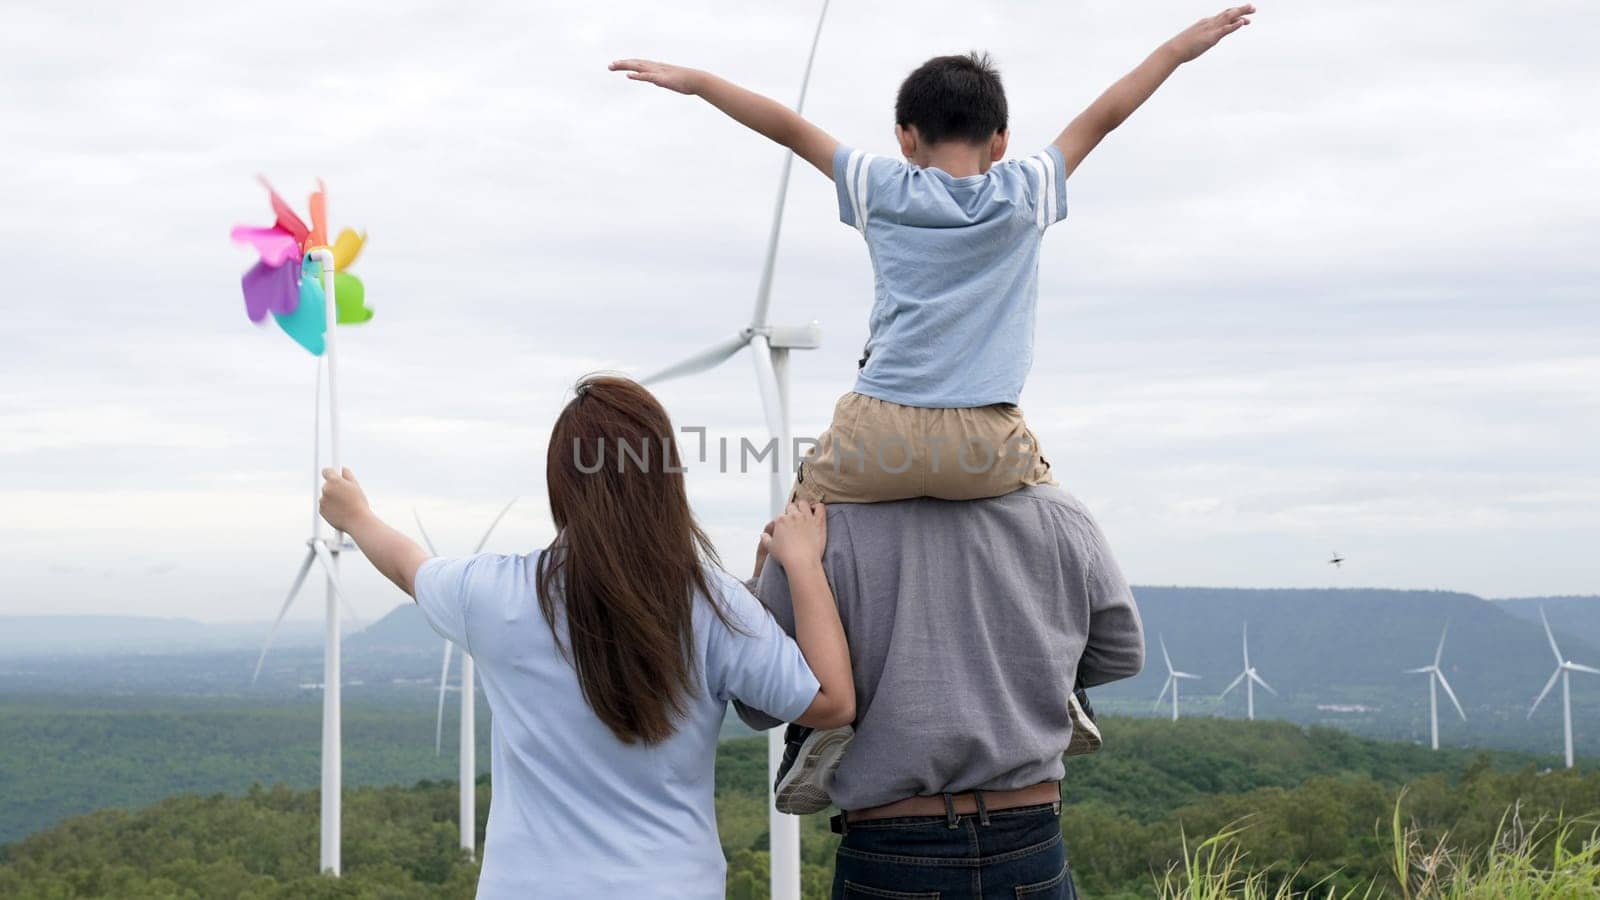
pixel 576 812
pixel 956 270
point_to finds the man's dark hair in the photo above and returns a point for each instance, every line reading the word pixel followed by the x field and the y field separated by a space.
pixel 953 98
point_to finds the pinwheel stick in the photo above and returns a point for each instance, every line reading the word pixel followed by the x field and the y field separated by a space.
pixel 332 724
pixel 324 256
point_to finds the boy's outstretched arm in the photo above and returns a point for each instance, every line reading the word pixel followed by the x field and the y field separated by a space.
pixel 1119 101
pixel 750 109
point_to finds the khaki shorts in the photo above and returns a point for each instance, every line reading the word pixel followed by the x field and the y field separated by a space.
pixel 877 451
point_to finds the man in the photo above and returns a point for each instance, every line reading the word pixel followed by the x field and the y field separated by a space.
pixel 969 623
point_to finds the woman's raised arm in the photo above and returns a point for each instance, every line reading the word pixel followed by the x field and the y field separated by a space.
pixel 796 541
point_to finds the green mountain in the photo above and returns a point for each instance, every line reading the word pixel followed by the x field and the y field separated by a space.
pixel 1577 616
pixel 31 636
pixel 402 628
pixel 1338 657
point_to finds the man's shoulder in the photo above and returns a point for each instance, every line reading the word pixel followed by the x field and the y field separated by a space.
pixel 928 515
pixel 1028 497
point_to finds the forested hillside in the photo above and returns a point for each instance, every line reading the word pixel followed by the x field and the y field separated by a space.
pixel 1578 616
pixel 1312 801
pixel 60 756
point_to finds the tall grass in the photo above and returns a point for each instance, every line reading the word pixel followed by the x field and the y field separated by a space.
pixel 1543 861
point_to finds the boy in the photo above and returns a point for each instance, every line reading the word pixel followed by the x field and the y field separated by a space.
pixel 954 235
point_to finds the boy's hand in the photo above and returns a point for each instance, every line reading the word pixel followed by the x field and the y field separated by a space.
pixel 1204 34
pixel 343 504
pixel 798 536
pixel 1113 107
pixel 673 78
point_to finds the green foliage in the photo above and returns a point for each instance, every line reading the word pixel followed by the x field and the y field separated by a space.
pixel 1543 861
pixel 398 842
pixel 1298 813
pixel 1152 766
pixel 60 756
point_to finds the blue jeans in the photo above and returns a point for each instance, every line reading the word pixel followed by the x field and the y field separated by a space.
pixel 1016 853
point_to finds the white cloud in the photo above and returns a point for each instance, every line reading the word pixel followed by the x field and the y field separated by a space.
pixel 1335 285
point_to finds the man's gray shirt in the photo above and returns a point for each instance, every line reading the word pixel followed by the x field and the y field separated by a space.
pixel 969 624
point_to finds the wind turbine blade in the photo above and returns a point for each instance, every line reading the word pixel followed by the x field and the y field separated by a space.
pixel 1164 657
pixel 325 557
pixel 1165 686
pixel 1419 671
pixel 767 383
pixel 1451 694
pixel 1184 675
pixel 816 38
pixel 494 524
pixel 1231 685
pixel 1247 645
pixel 1547 686
pixel 426 541
pixel 1438 654
pixel 764 288
pixel 1263 682
pixel 1551 635
pixel 438 722
pixel 1578 667
pixel 709 358
pixel 294 590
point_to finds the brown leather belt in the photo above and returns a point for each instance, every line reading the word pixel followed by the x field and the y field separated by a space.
pixel 964 804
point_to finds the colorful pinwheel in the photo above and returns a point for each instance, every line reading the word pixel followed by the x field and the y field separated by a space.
pixel 287 280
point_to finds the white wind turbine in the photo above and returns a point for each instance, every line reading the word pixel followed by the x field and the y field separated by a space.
pixel 1173 677
pixel 1564 669
pixel 1250 677
pixel 769 348
pixel 1436 680
pixel 467 766
pixel 324 552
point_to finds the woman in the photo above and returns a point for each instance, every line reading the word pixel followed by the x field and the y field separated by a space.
pixel 608 659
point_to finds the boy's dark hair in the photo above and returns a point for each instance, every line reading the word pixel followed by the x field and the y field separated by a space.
pixel 953 98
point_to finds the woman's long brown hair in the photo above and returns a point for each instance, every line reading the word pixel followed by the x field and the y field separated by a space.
pixel 627 561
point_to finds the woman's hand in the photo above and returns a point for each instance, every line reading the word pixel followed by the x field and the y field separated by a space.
pixel 344 503
pixel 761 549
pixel 799 536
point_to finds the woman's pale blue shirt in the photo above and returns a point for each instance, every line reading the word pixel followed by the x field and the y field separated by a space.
pixel 575 812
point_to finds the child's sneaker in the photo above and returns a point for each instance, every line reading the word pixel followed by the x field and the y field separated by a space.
pixel 810 757
pixel 1085 733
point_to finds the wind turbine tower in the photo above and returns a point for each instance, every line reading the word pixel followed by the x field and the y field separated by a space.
pixel 1437 680
pixel 1250 677
pixel 467 766
pixel 769 349
pixel 1564 669
pixel 1173 677
pixel 323 551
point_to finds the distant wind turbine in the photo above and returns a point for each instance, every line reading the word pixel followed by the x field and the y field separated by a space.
pixel 1250 677
pixel 1564 669
pixel 1173 677
pixel 467 766
pixel 1436 680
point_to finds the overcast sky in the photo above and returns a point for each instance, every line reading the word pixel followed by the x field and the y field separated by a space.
pixel 1335 287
